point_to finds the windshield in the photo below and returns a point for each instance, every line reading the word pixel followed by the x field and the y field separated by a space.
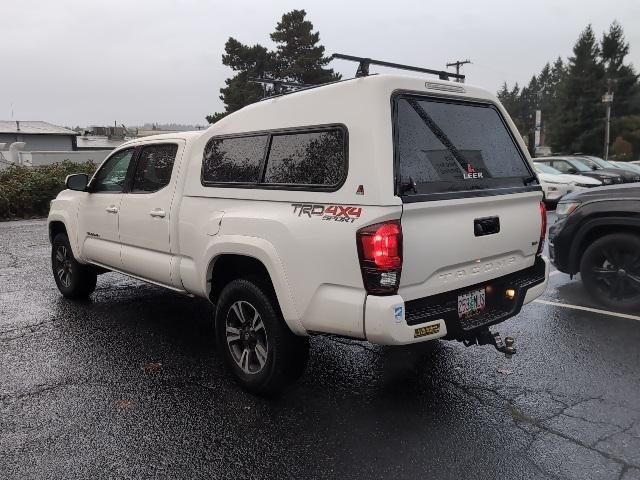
pixel 626 166
pixel 444 147
pixel 585 162
pixel 541 167
pixel 601 162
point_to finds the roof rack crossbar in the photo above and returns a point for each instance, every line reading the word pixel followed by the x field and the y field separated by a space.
pixel 364 63
pixel 278 84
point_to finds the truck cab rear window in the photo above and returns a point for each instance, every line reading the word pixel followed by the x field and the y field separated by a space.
pixel 444 147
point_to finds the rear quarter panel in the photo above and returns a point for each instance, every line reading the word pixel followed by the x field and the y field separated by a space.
pixel 311 256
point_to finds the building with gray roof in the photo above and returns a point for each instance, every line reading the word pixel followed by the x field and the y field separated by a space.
pixel 37 136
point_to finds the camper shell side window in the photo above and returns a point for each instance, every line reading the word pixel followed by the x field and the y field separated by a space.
pixel 308 158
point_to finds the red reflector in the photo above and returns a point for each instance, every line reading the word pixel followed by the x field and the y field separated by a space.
pixel 382 246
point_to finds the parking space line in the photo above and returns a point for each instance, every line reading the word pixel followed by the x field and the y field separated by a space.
pixel 588 309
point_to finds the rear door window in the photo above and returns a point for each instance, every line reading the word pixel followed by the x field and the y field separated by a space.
pixel 154 167
pixel 446 147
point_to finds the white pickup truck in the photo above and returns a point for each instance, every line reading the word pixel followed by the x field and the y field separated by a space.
pixel 382 208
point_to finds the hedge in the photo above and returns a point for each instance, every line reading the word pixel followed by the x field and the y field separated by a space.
pixel 25 192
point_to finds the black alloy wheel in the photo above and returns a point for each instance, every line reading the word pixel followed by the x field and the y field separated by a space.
pixel 610 270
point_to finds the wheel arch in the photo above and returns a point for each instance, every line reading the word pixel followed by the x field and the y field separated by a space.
pixel 59 221
pixel 56 227
pixel 597 228
pixel 242 257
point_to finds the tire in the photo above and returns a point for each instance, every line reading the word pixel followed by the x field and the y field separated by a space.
pixel 610 271
pixel 74 280
pixel 256 343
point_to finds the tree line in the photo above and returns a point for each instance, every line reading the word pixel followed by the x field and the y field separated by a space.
pixel 568 92
pixel 569 95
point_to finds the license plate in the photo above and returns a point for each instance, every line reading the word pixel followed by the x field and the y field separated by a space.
pixel 471 303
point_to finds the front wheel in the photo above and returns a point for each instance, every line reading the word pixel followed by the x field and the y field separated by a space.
pixel 257 345
pixel 610 270
pixel 74 280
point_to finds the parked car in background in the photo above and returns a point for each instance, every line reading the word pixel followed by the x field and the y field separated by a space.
pixel 555 184
pixel 597 234
pixel 543 151
pixel 573 166
pixel 597 163
pixel 632 167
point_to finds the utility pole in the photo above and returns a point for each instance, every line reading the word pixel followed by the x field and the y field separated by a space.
pixel 538 123
pixel 607 99
pixel 458 64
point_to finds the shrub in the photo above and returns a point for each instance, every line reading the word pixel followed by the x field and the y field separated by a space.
pixel 622 150
pixel 25 192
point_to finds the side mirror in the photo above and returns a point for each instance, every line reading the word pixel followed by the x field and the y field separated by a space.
pixel 77 182
pixel 572 171
pixel 594 168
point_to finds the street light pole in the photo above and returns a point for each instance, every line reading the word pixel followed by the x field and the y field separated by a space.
pixel 607 99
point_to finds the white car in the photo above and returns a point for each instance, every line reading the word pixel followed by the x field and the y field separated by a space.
pixel 383 208
pixel 556 184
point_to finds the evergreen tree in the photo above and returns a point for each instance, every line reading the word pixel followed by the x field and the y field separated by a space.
pixel 558 73
pixel 550 79
pixel 299 56
pixel 510 99
pixel 580 111
pixel 529 103
pixel 248 61
pixel 622 78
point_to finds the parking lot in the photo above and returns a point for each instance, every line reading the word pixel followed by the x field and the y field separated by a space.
pixel 128 385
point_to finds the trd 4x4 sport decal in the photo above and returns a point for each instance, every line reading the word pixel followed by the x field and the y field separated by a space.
pixel 338 213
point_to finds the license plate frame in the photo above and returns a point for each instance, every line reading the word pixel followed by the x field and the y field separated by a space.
pixel 471 303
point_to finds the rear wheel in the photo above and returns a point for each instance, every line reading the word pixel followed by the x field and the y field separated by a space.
pixel 610 270
pixel 74 280
pixel 257 345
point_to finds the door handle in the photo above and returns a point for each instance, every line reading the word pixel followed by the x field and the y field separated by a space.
pixel 157 212
pixel 112 209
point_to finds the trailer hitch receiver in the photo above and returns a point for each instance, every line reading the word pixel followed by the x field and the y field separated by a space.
pixel 486 337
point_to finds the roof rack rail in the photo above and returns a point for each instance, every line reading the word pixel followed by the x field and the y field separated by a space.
pixel 364 63
pixel 278 84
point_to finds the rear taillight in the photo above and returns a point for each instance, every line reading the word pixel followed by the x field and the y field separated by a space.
pixel 380 253
pixel 543 228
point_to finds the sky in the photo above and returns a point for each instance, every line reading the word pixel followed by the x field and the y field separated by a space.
pixel 73 62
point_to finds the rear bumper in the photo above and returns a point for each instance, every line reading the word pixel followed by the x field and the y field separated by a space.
pixel 392 321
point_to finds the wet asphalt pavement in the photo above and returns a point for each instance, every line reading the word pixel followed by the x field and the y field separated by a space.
pixel 128 385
